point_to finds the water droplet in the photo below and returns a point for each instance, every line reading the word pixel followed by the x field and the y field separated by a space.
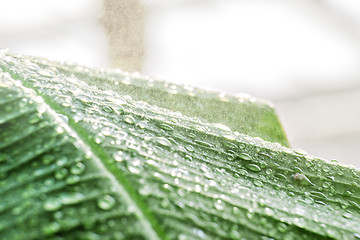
pixel 99 138
pixel 46 73
pixel 166 127
pixel 106 202
pixel 282 227
pixel 129 119
pixel 118 100
pixel 347 215
pixel 258 183
pixel 189 148
pixel 219 204
pixel 222 127
pixel 108 109
pixel 163 141
pixel 204 144
pixel 61 173
pixel 71 198
pixel 348 193
pixel 59 129
pixel 254 167
pixel 244 156
pixel 84 98
pixel 72 179
pixel 250 214
pixel 52 204
pixel 318 194
pixel 118 156
pixel 135 166
pixel 78 168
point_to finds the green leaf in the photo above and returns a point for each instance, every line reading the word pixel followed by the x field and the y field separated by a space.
pixel 77 162
pixel 241 113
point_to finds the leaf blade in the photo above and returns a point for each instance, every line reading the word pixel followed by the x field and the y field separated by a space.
pixel 196 178
pixel 241 113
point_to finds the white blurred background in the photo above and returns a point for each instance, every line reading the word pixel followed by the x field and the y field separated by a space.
pixel 303 55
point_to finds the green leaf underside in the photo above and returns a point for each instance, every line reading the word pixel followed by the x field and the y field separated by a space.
pixel 82 163
pixel 245 114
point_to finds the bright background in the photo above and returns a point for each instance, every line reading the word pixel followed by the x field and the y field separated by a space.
pixel 303 55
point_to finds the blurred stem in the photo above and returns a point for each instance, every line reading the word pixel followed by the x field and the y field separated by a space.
pixel 123 21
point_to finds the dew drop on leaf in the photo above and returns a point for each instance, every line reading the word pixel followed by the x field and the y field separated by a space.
pixel 106 202
pixel 254 167
pixel 189 148
pixel 244 156
pixel 77 169
pixel 45 73
pixel 71 198
pixel 129 119
pixel 163 141
pixel 118 156
pixel 282 227
pixel 347 215
pixel 99 138
pixel 61 173
pixel 72 179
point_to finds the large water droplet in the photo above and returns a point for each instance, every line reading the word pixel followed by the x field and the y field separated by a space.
pixel 347 215
pixel 106 202
pixel 189 148
pixel 254 167
pixel 244 156
pixel 258 183
pixel 129 119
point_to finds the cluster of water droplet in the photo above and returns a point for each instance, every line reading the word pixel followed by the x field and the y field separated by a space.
pixel 201 180
pixel 49 181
